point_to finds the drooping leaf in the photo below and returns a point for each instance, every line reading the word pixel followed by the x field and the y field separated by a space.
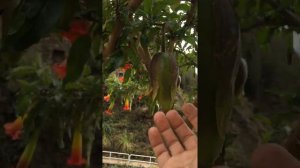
pixel 22 71
pixel 164 75
pixel 127 75
pixel 78 56
pixel 39 20
pixel 218 50
pixel 96 44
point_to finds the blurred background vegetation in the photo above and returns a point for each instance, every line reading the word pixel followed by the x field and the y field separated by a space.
pixel 127 71
pixel 36 35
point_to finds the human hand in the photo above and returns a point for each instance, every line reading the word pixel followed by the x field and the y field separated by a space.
pixel 174 143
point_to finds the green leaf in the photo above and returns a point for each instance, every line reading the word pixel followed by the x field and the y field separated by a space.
pixel 22 104
pixel 27 88
pixel 115 61
pixel 70 8
pixel 73 86
pixel 32 8
pixel 148 6
pixel 86 70
pixel 96 44
pixel 127 75
pixel 144 40
pixel 16 22
pixel 183 7
pixel 40 20
pixel 264 35
pixel 45 76
pixel 93 5
pixel 159 6
pixel 22 71
pixel 78 56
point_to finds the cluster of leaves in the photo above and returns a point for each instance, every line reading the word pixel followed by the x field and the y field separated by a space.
pixel 146 26
pixel 140 39
pixel 268 18
pixel 45 101
pixel 126 87
pixel 49 104
pixel 144 30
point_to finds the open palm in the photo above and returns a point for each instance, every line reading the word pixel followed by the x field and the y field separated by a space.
pixel 173 142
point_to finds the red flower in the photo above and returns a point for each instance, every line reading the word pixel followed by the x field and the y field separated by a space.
pixel 106 98
pixel 108 112
pixel 121 79
pixel 76 158
pixel 78 28
pixel 127 105
pixel 127 66
pixel 60 70
pixel 140 98
pixel 13 129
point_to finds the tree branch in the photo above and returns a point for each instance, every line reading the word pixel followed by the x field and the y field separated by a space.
pixel 114 36
pixel 289 18
pixel 190 18
pixel 191 61
pixel 142 52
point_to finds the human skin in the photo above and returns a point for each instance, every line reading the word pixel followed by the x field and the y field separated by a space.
pixel 173 142
pixel 273 156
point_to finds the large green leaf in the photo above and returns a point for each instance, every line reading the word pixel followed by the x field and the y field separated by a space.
pixel 70 8
pixel 148 6
pixel 39 21
pixel 218 46
pixel 164 75
pixel 79 55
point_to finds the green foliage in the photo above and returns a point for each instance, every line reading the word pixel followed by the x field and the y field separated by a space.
pixel 125 142
pixel 31 22
pixel 79 55
pixel 269 15
pixel 164 76
pixel 45 101
pixel 148 21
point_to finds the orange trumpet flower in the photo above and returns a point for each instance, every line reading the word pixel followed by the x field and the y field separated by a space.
pixel 127 105
pixel 60 70
pixel 76 158
pixel 77 28
pixel 106 98
pixel 109 110
pixel 14 129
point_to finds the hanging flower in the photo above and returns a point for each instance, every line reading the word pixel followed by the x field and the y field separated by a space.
pixel 127 66
pixel 14 129
pixel 127 105
pixel 107 98
pixel 109 110
pixel 26 157
pixel 60 70
pixel 78 28
pixel 121 79
pixel 76 158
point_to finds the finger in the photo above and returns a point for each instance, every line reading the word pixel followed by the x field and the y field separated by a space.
pixel 159 148
pixel 184 133
pixel 191 113
pixel 168 134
